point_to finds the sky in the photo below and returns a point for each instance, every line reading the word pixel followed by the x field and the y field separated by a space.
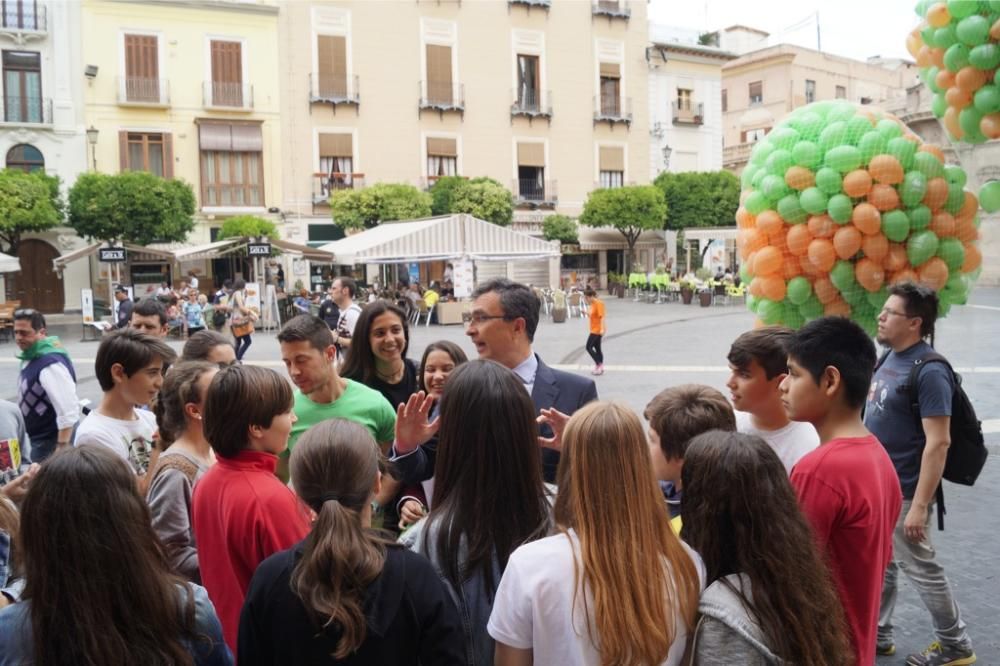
pixel 852 28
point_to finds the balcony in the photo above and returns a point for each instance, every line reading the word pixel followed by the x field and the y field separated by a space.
pixel 442 97
pixel 23 21
pixel 736 155
pixel 612 110
pixel 325 184
pixel 528 4
pixel 227 96
pixel 535 193
pixel 140 91
pixel 26 110
pixel 531 104
pixel 334 89
pixel 686 113
pixel 611 8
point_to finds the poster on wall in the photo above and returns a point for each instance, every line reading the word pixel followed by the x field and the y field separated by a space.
pixel 464 277
pixel 252 297
pixel 414 272
pixel 87 305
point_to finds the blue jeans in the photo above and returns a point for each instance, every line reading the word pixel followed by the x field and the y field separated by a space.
pixel 242 345
pixel 42 449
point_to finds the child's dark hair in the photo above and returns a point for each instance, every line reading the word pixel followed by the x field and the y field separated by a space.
pixel 151 307
pixel 766 345
pixel 842 344
pixel 681 412
pixel 241 396
pixel 133 351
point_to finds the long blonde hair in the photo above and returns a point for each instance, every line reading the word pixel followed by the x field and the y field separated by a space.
pixel 639 575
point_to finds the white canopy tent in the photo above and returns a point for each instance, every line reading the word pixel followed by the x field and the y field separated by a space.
pixel 9 264
pixel 439 238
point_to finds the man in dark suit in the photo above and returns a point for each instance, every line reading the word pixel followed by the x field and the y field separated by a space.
pixel 502 326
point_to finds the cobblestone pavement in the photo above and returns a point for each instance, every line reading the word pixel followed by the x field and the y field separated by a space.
pixel 651 346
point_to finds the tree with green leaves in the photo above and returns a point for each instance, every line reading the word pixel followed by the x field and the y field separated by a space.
pixel 132 206
pixel 368 207
pixel 441 192
pixel 630 210
pixel 700 199
pixel 248 225
pixel 484 198
pixel 561 228
pixel 29 203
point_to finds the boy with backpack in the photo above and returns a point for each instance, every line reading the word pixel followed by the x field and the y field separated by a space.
pixel 909 408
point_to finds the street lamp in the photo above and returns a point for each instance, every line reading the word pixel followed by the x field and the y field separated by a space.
pixel 667 150
pixel 92 140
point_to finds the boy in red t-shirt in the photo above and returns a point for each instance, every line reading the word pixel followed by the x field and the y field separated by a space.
pixel 847 488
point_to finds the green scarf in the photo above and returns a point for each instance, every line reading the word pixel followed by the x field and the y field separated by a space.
pixel 49 345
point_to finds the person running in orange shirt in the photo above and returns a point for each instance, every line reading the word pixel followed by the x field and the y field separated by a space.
pixel 596 307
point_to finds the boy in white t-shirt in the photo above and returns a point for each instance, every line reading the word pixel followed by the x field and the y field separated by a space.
pixel 129 368
pixel 758 362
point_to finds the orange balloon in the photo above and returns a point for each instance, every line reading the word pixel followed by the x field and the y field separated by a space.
pixel 799 178
pixel 869 274
pixel 857 183
pixel 847 241
pixel 933 150
pixel 990 125
pixel 866 218
pixel 958 98
pixel 965 230
pixel 748 262
pixel 837 308
pixel 885 169
pixel 969 209
pixel 933 273
pixel 808 267
pixel 973 258
pixel 797 239
pixel 945 79
pixel 825 291
pixel 937 58
pixel 769 222
pixel 938 15
pixel 904 275
pixel 875 247
pixel 970 79
pixel 994 31
pixel 896 259
pixel 937 193
pixel 822 254
pixel 791 268
pixel 750 240
pixel 744 219
pixel 943 224
pixel 914 40
pixel 923 56
pixel 767 261
pixel 822 226
pixel 950 122
pixel 754 287
pixel 772 287
pixel 884 197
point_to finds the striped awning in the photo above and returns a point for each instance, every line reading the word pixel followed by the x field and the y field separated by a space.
pixel 439 238
pixel 607 238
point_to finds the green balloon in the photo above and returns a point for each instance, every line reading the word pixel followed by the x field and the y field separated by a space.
pixel 769 311
pixel 928 165
pixel 813 201
pixel 973 30
pixel 790 210
pixel 961 8
pixel 877 299
pixel 840 208
pixel 842 276
pixel 799 290
pixel 812 308
pixel 903 150
pixel 922 6
pixel 784 137
pixel 928 34
pixel 843 158
pixel 952 252
pixel 943 309
pixel 774 187
pixel 955 175
pixel 895 225
pixel 756 203
pixel 938 106
pixel 778 162
pixel 989 196
pixel 758 177
pixel 968 119
pixel 929 77
pixel 752 303
pixel 987 99
pixel 791 317
pixel 920 217
pixel 749 171
pixel 956 199
pixel 889 128
pixel 956 290
pixel 871 143
pixel 945 37
pixel 994 5
pixel 834 135
pixel 828 180
pixel 857 127
pixel 840 110
pixel 806 154
pixel 761 151
pixel 913 188
pixel 985 56
pixel 808 123
pixel 745 277
pixel 922 246
pixel 855 296
pixel 956 57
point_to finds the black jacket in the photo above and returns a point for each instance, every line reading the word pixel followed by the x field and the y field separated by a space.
pixel 411 618
pixel 564 391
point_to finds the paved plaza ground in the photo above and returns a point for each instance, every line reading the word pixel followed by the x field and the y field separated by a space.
pixel 652 346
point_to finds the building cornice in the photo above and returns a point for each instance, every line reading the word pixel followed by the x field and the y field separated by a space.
pixel 210 5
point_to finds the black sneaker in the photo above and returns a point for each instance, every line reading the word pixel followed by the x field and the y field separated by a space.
pixel 939 655
pixel 885 648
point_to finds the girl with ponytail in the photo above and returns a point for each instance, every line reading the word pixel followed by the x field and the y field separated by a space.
pixel 346 594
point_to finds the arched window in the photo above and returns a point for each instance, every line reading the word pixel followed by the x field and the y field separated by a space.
pixel 25 157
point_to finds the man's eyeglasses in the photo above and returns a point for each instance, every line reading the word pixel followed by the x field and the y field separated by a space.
pixel 888 313
pixel 479 319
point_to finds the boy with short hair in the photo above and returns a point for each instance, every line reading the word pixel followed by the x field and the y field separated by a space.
pixel 676 416
pixel 597 330
pixel 758 363
pixel 847 488
pixel 130 368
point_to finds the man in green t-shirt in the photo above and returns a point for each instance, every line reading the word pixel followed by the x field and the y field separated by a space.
pixel 308 352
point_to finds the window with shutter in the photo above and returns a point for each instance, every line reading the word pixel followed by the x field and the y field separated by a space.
pixel 227 73
pixel 142 72
pixel 440 90
pixel 442 158
pixel 144 151
pixel 528 82
pixel 22 87
pixel 611 165
pixel 331 51
pixel 756 92
pixel 336 162
pixel 232 165
pixel 610 89
pixel 531 171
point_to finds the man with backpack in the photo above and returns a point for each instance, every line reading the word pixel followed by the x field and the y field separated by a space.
pixel 909 409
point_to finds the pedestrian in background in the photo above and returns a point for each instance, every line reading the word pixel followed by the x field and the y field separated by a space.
pixel 597 330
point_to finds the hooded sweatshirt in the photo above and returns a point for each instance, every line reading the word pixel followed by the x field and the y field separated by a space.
pixel 727 633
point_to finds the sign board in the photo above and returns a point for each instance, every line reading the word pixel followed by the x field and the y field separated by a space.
pixel 87 305
pixel 252 296
pixel 463 277
pixel 111 254
pixel 414 272
pixel 259 249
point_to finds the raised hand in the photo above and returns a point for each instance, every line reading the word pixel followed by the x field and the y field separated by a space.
pixel 412 426
pixel 557 421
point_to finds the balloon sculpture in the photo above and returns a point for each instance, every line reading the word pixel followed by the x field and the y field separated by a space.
pixel 957 47
pixel 840 201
